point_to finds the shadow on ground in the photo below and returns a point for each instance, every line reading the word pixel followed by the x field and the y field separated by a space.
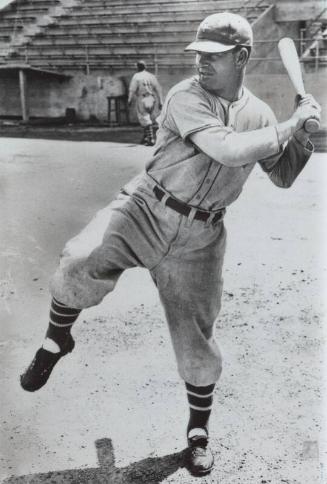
pixel 152 470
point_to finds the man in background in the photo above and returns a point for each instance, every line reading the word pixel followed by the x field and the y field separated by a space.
pixel 145 89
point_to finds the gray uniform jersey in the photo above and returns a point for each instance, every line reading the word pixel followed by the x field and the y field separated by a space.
pixel 193 177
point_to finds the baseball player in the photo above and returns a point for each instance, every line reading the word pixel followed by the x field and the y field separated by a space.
pixel 169 219
pixel 146 90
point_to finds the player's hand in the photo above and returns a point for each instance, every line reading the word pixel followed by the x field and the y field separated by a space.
pixel 306 107
pixel 305 100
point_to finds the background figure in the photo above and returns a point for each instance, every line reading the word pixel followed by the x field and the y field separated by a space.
pixel 146 90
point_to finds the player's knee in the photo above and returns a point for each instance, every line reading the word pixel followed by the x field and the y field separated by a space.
pixel 74 284
pixel 202 370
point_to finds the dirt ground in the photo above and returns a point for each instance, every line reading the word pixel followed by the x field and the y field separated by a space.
pixel 115 411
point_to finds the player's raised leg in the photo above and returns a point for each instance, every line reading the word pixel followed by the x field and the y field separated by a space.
pixel 89 269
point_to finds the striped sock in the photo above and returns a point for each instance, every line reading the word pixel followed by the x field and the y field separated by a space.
pixel 200 401
pixel 61 320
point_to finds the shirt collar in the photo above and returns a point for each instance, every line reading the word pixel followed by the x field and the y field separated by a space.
pixel 226 104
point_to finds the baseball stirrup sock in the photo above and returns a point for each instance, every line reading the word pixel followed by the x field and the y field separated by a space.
pixel 151 133
pixel 200 401
pixel 61 320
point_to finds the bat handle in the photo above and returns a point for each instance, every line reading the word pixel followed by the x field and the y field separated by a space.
pixel 311 125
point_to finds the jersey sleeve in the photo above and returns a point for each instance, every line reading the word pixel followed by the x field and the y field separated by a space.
pixel 284 167
pixel 187 113
pixel 269 119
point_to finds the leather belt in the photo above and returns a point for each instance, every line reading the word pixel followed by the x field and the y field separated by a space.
pixel 185 209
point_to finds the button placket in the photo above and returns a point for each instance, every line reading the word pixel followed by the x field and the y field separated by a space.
pixel 231 117
pixel 211 174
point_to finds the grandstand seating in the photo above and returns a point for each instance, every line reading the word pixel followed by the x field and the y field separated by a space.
pixel 19 16
pixel 112 34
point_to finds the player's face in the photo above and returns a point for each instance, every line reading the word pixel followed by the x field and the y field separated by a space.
pixel 217 72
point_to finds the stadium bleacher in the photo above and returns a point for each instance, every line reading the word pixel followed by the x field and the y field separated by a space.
pixel 110 33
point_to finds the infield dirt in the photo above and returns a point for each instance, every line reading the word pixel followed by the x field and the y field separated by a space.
pixel 114 411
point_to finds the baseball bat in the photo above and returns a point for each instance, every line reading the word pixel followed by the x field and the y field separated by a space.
pixel 290 58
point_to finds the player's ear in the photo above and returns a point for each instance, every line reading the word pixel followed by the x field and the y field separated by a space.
pixel 241 56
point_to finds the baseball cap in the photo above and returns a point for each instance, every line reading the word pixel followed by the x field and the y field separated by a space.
pixel 221 32
pixel 141 63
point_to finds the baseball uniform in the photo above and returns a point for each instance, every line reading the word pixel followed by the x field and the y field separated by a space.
pixel 145 88
pixel 169 219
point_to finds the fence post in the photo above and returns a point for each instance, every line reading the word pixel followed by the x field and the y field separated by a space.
pixel 22 89
pixel 302 41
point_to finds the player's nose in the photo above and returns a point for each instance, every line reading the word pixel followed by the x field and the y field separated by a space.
pixel 202 59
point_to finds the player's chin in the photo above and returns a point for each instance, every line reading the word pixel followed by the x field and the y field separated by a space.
pixel 205 80
pixel 209 84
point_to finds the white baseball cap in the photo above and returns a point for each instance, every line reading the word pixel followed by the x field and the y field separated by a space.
pixel 221 32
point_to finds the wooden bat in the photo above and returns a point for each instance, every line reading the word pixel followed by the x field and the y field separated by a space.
pixel 290 58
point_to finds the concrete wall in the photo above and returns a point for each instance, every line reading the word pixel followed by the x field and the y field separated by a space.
pixel 49 97
pixel 290 10
pixel 87 94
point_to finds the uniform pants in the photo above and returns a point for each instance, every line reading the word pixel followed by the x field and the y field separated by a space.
pixel 184 257
pixel 145 108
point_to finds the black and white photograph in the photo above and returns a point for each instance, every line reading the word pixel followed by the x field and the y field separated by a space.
pixel 163 241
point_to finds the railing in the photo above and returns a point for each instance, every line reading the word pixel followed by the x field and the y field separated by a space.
pixel 310 46
pixel 310 54
pixel 305 40
pixel 314 46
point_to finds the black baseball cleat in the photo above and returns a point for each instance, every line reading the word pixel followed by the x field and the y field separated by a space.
pixel 199 458
pixel 40 369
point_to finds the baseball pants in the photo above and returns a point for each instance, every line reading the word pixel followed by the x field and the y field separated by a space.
pixel 183 255
pixel 145 107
